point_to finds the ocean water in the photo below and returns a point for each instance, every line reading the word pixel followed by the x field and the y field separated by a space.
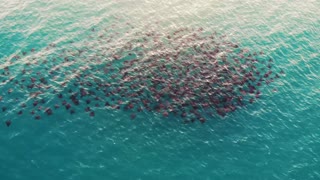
pixel 277 137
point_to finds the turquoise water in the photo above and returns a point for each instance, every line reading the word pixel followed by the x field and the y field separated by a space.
pixel 278 137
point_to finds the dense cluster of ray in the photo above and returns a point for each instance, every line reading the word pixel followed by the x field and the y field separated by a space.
pixel 188 73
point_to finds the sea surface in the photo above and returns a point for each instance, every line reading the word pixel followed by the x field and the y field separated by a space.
pixel 277 137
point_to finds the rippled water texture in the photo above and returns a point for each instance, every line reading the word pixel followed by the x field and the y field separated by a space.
pixel 276 137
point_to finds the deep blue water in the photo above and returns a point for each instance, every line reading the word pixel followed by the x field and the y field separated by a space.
pixel 278 137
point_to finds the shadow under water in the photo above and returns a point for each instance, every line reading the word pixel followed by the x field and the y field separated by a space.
pixel 187 73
